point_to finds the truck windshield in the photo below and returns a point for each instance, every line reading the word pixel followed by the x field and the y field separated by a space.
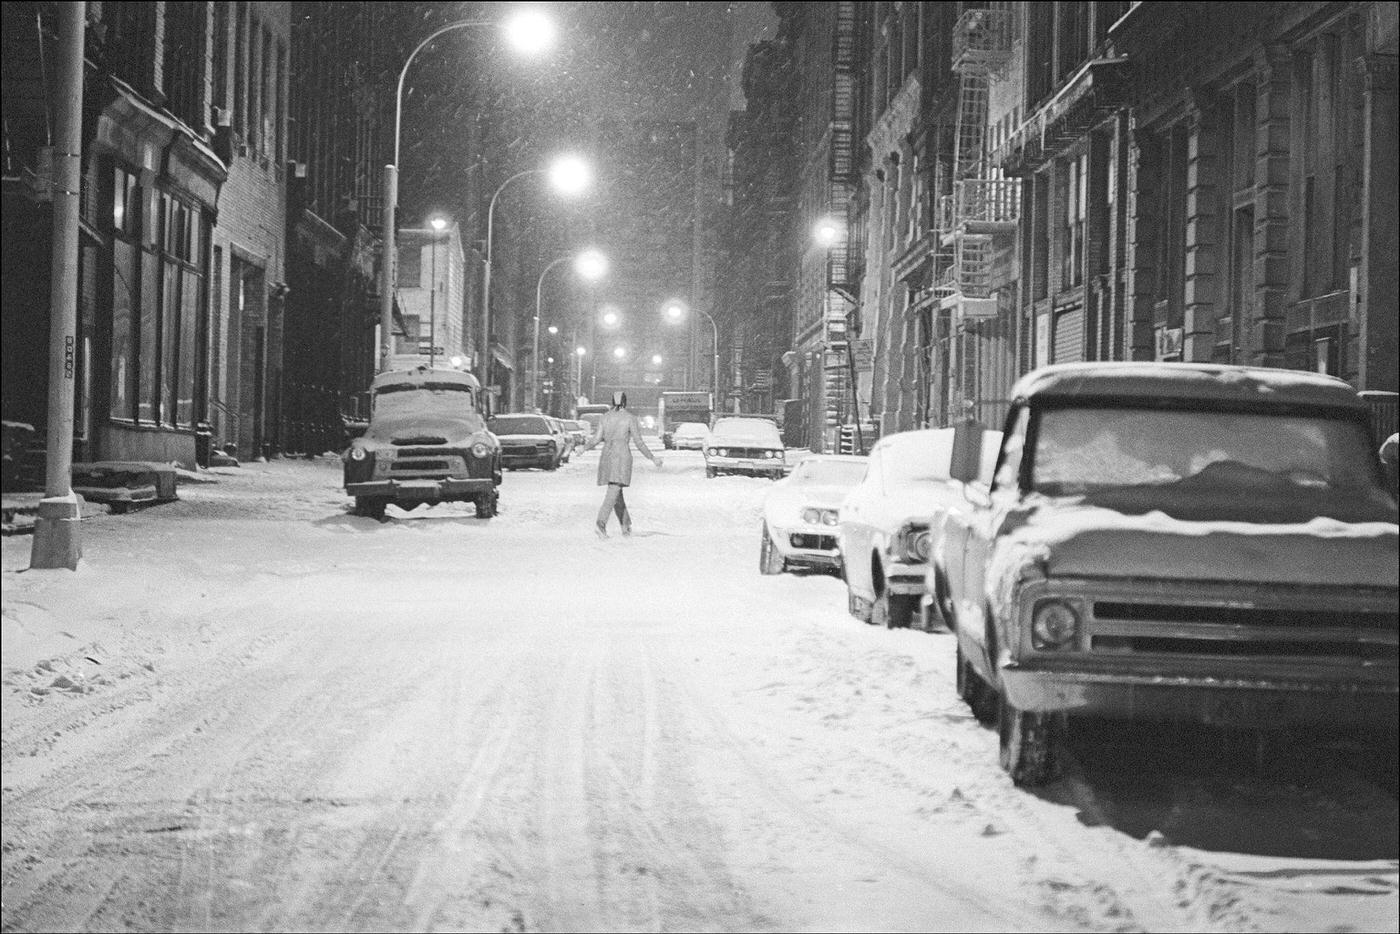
pixel 449 400
pixel 1084 450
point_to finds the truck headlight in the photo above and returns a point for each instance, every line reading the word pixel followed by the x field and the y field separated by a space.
pixel 480 450
pixel 358 453
pixel 1054 625
pixel 919 545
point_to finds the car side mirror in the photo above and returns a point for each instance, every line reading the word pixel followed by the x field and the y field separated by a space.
pixel 965 464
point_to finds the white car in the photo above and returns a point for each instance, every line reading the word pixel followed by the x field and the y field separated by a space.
pixel 745 445
pixel 690 436
pixel 799 515
pixel 884 528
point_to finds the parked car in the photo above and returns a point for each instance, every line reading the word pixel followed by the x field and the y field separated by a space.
pixel 565 439
pixel 578 432
pixel 884 528
pixel 426 442
pixel 689 436
pixel 745 445
pixel 1213 544
pixel 527 441
pixel 800 513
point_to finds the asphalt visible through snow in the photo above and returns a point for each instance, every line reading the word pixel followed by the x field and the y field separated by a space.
pixel 250 710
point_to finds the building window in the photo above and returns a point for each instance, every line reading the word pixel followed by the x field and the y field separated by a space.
pixel 184 60
pixel 240 73
pixel 1076 177
pixel 220 50
pixel 1040 237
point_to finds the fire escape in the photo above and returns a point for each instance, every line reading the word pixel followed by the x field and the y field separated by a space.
pixel 980 207
pixel 840 407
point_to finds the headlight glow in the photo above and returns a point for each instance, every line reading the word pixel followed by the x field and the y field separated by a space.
pixel 1054 625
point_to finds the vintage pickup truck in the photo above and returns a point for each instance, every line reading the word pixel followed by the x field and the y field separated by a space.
pixel 1213 544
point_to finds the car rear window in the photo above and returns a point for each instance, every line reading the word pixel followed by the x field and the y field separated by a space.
pixel 519 425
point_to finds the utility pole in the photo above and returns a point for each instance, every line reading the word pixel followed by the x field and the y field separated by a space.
pixel 56 541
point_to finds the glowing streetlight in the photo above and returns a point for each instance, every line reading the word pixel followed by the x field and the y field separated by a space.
pixel 591 265
pixel 619 352
pixel 530 31
pixel 553 329
pixel 580 351
pixel 828 232
pixel 611 317
pixel 570 175
pixel 656 359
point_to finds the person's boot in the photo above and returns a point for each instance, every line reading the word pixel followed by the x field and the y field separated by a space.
pixel 602 530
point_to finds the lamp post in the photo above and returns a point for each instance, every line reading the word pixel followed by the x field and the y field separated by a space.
pixel 579 351
pixel 438 225
pixel 529 31
pixel 676 311
pixel 828 232
pixel 591 265
pixel 569 175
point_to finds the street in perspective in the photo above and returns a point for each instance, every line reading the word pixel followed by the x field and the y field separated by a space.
pixel 710 466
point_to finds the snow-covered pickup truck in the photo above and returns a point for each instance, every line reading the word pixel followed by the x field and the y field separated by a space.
pixel 426 443
pixel 1205 543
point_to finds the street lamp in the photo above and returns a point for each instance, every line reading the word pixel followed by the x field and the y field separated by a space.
pixel 569 175
pixel 591 265
pixel 528 31
pixel 656 359
pixel 579 353
pixel 828 232
pixel 676 311
pixel 438 223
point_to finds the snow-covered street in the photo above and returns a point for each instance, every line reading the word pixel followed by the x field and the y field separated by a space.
pixel 249 710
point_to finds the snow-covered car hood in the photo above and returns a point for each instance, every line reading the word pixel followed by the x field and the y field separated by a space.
pixel 1085 540
pixel 419 428
pixel 917 501
pixel 529 439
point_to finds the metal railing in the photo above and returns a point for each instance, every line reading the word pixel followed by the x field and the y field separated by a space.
pixel 982 37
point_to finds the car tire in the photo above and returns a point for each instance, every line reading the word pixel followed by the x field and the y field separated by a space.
pixel 371 507
pixel 974 691
pixel 1028 743
pixel 893 611
pixel 487 505
pixel 770 560
pixel 857 607
pixel 710 473
pixel 552 465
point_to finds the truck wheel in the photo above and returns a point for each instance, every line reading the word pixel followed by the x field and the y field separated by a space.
pixel 371 507
pixel 975 692
pixel 1028 743
pixel 486 504
pixel 770 561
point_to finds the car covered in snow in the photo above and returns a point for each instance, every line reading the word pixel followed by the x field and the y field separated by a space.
pixel 566 439
pixel 578 432
pixel 800 513
pixel 1183 542
pixel 528 440
pixel 690 436
pixel 745 445
pixel 426 443
pixel 883 531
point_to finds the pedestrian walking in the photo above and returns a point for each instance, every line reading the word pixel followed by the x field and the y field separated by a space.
pixel 617 431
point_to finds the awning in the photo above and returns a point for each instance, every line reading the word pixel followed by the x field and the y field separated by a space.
pixel 154 140
pixel 498 353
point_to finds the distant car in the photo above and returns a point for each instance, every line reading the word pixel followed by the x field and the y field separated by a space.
pixel 689 436
pixel 426 442
pixel 527 441
pixel 566 440
pixel 578 431
pixel 884 528
pixel 800 513
pixel 745 445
